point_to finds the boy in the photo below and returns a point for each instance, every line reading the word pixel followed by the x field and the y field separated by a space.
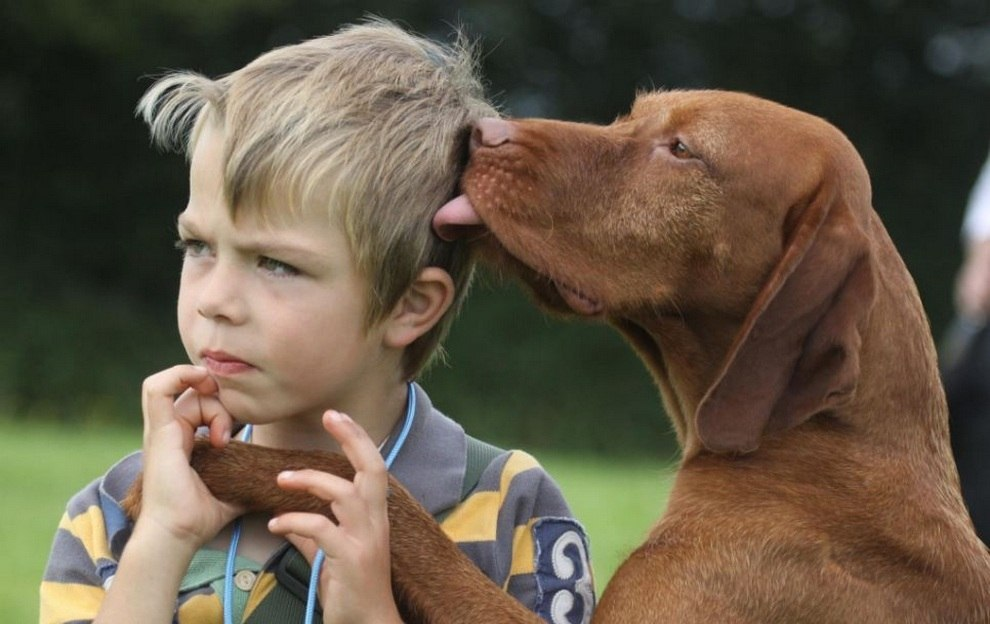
pixel 312 285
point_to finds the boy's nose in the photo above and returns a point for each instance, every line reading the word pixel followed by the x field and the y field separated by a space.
pixel 219 297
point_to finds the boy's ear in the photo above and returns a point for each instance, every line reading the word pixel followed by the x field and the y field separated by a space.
pixel 420 308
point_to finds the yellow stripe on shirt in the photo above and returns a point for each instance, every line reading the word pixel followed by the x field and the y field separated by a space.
pixel 519 461
pixel 90 529
pixel 200 608
pixel 475 519
pixel 66 602
pixel 262 587
pixel 523 550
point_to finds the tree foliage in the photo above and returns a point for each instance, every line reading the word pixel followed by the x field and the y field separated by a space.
pixel 87 207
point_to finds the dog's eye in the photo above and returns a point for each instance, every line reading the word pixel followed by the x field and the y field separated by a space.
pixel 679 150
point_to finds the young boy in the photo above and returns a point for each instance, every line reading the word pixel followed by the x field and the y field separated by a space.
pixel 311 286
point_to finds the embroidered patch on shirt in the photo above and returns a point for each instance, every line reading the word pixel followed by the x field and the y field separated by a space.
pixel 563 575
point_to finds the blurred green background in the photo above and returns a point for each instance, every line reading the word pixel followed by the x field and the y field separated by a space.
pixel 87 207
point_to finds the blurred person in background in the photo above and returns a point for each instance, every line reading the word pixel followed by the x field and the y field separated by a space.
pixel 965 358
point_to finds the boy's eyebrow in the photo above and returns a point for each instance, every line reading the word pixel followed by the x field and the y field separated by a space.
pixel 259 246
pixel 263 248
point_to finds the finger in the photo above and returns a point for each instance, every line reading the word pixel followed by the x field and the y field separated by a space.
pixel 349 506
pixel 323 485
pixel 372 476
pixel 205 409
pixel 159 390
pixel 311 531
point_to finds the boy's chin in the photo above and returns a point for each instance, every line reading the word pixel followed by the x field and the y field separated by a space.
pixel 242 407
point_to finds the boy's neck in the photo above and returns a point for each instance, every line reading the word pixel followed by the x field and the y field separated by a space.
pixel 377 413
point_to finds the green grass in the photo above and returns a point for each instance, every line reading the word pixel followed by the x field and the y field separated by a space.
pixel 42 465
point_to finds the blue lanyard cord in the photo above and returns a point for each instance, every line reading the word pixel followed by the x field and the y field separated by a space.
pixel 406 426
pixel 314 576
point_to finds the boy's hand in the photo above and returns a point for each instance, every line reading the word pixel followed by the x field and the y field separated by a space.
pixel 356 577
pixel 175 503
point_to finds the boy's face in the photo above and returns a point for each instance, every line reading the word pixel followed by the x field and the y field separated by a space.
pixel 274 311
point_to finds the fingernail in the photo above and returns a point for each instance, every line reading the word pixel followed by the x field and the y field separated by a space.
pixel 226 437
pixel 273 524
pixel 337 416
pixel 286 474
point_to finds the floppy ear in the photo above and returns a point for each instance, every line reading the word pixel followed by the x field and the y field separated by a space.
pixel 797 352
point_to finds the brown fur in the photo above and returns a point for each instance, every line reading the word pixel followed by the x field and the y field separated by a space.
pixel 789 344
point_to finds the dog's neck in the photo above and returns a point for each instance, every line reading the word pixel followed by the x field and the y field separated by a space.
pixel 899 368
pixel 898 375
pixel 701 346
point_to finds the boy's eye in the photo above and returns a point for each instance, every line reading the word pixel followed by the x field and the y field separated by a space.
pixel 192 248
pixel 276 267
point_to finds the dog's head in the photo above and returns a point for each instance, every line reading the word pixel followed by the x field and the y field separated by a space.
pixel 703 209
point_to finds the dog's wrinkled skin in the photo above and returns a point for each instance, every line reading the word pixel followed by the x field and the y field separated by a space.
pixel 732 242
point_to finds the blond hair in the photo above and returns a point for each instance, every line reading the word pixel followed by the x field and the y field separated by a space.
pixel 368 124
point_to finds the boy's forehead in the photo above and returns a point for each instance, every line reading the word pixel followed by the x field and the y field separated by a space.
pixel 275 207
pixel 206 177
pixel 202 212
pixel 207 136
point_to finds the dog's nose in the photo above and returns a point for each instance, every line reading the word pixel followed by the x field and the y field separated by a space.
pixel 491 132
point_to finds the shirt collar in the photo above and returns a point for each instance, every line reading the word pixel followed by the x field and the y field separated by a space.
pixel 432 461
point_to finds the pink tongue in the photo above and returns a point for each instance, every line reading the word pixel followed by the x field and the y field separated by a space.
pixel 456 219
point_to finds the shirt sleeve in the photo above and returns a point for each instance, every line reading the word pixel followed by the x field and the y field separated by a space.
pixel 72 588
pixel 518 528
pixel 87 546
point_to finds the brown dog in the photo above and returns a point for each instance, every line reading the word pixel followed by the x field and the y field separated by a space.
pixel 732 241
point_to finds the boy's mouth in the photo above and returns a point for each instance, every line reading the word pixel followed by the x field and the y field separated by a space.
pixel 223 364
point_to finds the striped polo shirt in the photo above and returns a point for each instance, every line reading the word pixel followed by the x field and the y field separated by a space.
pixel 514 524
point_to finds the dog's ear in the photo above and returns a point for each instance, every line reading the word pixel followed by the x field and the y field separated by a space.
pixel 797 352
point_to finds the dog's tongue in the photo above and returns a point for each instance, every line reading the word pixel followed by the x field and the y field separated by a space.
pixel 457 219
